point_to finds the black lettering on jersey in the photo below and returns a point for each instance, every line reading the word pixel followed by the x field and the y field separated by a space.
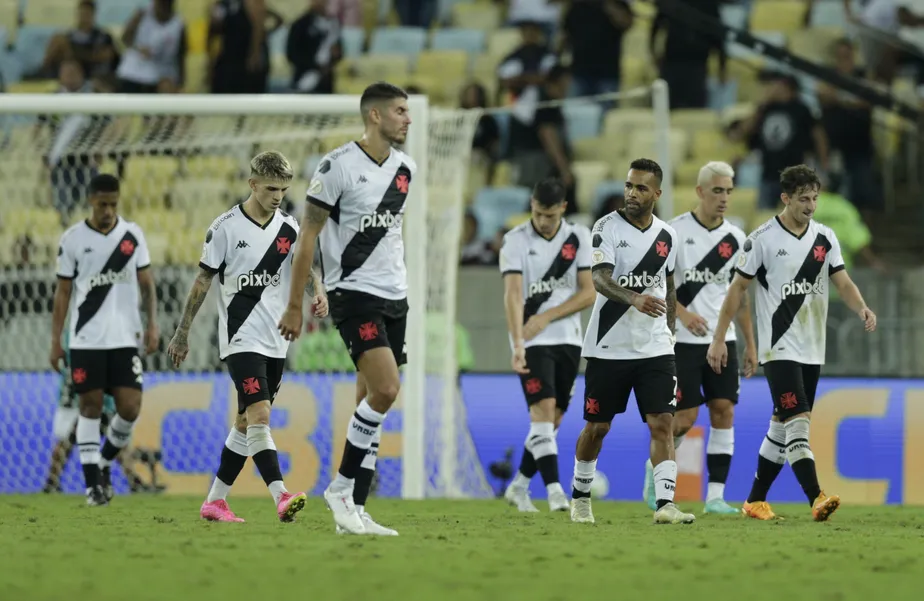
pixel 785 314
pixel 651 264
pixel 121 255
pixel 563 261
pixel 243 303
pixel 363 243
pixel 712 263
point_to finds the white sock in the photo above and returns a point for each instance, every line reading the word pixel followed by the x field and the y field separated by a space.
pixel 118 435
pixel 665 477
pixel 584 475
pixel 554 488
pixel 219 491
pixel 88 440
pixel 276 489
pixel 360 509
pixel 719 451
pixel 715 491
pixel 341 484
pixel 520 481
pixel 237 443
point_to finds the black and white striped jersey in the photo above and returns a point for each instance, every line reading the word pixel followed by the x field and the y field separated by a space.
pixel 641 260
pixel 792 294
pixel 549 268
pixel 104 312
pixel 254 267
pixel 706 260
pixel 362 246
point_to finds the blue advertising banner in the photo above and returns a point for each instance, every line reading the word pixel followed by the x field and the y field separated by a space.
pixel 867 436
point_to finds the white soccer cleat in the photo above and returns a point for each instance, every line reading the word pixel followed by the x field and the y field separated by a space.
pixel 581 511
pixel 558 501
pixel 671 514
pixel 519 498
pixel 345 515
pixel 372 527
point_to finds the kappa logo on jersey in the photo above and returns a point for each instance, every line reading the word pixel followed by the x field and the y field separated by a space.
pixel 242 244
pixel 641 280
pixel 386 220
pixel 802 288
pixel 262 279
pixel 109 278
pixel 549 285
pixel 705 276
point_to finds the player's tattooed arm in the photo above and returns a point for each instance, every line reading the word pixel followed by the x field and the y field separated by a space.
pixel 194 300
pixel 671 299
pixel 607 286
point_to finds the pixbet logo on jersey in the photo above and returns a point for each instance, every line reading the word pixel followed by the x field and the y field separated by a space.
pixel 108 278
pixel 641 280
pixel 548 286
pixel 386 220
pixel 804 287
pixel 252 279
pixel 705 276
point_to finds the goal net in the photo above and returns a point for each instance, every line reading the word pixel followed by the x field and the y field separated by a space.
pixel 182 161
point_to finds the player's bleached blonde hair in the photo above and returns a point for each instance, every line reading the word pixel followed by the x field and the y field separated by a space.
pixel 271 165
pixel 712 169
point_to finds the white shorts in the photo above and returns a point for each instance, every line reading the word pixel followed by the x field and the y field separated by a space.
pixel 64 421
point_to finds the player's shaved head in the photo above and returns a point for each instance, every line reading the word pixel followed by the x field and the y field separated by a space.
pixel 271 165
pixel 378 94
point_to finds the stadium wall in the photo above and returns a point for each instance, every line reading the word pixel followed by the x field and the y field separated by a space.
pixel 868 436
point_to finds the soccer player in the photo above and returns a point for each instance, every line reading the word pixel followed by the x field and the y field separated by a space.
pixel 706 259
pixel 103 261
pixel 792 256
pixel 250 247
pixel 356 202
pixel 545 263
pixel 629 343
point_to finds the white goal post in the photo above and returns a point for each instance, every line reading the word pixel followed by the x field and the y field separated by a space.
pixel 432 423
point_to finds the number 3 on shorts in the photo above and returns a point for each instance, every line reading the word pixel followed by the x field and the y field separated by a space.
pixel 138 369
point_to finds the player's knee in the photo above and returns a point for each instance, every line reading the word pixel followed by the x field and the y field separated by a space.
pixel 683 421
pixel 91 404
pixel 661 426
pixel 543 411
pixel 257 414
pixel 383 395
pixel 596 431
pixel 721 414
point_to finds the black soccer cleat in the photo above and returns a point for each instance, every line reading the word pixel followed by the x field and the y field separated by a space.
pixel 105 482
pixel 96 497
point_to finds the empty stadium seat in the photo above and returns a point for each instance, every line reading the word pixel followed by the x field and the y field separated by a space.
pixel 277 40
pixel 10 68
pixel 476 15
pixel 707 145
pixel 469 40
pixel 445 71
pixel 352 40
pixel 118 12
pixel 9 19
pixel 828 13
pixel 398 40
pixel 42 86
pixel 31 42
pixel 777 15
pixel 734 15
pixel 694 119
pixel 503 41
pixel 643 142
pixel 588 175
pixel 4 39
pixel 685 174
pixel 619 121
pixel 815 44
pixel 582 119
pixel 375 66
pixel 59 14
pixel 493 206
pixel 589 149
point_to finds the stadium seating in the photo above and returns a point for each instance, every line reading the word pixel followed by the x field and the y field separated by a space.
pixel 398 40
pixel 777 15
pixel 469 40
pixel 59 14
pixel 31 42
pixel 352 40
pixel 493 206
pixel 117 12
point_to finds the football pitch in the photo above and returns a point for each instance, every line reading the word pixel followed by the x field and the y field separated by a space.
pixel 156 548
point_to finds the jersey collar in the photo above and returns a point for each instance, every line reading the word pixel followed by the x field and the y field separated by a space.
pixel 624 218
pixel 703 225
pixel 789 231
pixel 100 232
pixel 358 145
pixel 262 226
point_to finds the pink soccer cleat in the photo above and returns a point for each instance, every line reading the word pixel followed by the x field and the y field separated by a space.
pixel 290 504
pixel 218 511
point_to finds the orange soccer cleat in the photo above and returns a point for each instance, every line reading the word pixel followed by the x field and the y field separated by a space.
pixel 759 510
pixel 824 506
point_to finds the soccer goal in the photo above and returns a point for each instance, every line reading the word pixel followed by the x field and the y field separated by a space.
pixel 183 160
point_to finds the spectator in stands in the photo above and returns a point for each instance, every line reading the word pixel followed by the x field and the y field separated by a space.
pixel 349 13
pixel 524 69
pixel 90 45
pixel 416 13
pixel 71 78
pixel 879 23
pixel 785 131
pixel 683 64
pixel 242 65
pixel 848 122
pixel 592 31
pixel 610 203
pixel 487 134
pixel 539 145
pixel 155 49
pixel 313 49
pixel 546 14
pixel 475 251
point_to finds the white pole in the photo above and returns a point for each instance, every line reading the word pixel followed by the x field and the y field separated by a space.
pixel 660 105
pixel 181 104
pixel 413 395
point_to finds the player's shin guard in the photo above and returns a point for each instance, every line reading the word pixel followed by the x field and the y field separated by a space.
pixel 361 432
pixel 261 447
pixel 544 448
pixel 665 479
pixel 233 457
pixel 719 451
pixel 801 458
pixel 366 472
pixel 118 436
pixel 583 477
pixel 88 447
pixel 770 461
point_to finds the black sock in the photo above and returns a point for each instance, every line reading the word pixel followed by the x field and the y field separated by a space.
pixel 662 502
pixel 767 471
pixel 109 451
pixel 576 494
pixel 362 485
pixel 352 461
pixel 804 469
pixel 267 462
pixel 231 465
pixel 528 464
pixel 548 468
pixel 718 466
pixel 91 474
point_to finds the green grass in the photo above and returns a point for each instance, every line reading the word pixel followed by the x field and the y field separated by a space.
pixel 155 548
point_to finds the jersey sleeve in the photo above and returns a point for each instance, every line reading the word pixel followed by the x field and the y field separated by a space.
pixel 142 252
pixel 603 251
pixel 751 258
pixel 671 262
pixel 835 258
pixel 584 249
pixel 67 261
pixel 214 249
pixel 327 184
pixel 511 255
